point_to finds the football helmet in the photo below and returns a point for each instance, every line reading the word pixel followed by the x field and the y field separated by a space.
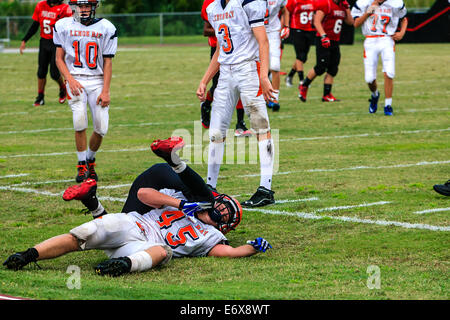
pixel 227 213
pixel 54 2
pixel 84 17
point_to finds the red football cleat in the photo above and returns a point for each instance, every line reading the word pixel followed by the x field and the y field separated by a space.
pixel 80 191
pixel 329 98
pixel 303 90
pixel 167 148
pixel 62 95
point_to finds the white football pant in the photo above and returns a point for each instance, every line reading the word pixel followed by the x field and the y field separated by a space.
pixel 375 47
pixel 274 50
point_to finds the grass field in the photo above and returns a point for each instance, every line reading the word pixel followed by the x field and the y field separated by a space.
pixel 353 190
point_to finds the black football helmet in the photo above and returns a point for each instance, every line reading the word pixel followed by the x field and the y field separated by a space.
pixel 83 17
pixel 54 2
pixel 227 213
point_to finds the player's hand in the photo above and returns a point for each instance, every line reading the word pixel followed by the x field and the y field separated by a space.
pixel 373 7
pixel 201 92
pixel 189 208
pixel 284 33
pixel 345 4
pixel 326 43
pixel 260 244
pixel 103 99
pixel 75 87
pixel 22 47
pixel 398 36
pixel 267 89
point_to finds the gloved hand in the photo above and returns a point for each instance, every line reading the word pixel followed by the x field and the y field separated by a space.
pixel 189 208
pixel 326 43
pixel 260 244
pixel 284 33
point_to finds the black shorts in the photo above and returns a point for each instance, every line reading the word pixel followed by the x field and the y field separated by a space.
pixel 302 41
pixel 161 176
pixel 46 57
pixel 327 59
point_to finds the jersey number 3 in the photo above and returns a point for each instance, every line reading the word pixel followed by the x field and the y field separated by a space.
pixel 227 46
pixel 91 54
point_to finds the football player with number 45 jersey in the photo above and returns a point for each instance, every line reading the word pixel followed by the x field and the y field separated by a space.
pixel 242 56
pixel 379 20
pixel 86 46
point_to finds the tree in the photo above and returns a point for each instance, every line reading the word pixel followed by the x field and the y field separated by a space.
pixel 145 6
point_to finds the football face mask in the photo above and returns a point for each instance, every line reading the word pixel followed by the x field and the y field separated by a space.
pixel 83 10
pixel 227 213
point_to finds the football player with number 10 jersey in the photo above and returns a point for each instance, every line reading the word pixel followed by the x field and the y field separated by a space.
pixel 86 46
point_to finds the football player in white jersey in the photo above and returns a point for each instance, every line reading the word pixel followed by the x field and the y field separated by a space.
pixel 273 29
pixel 136 242
pixel 85 48
pixel 242 56
pixel 379 20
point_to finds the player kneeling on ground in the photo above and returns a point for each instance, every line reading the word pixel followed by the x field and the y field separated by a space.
pixel 134 242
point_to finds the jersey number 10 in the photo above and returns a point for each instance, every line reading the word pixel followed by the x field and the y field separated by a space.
pixel 91 54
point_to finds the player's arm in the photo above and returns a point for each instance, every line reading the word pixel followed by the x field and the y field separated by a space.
pixel 403 25
pixel 104 98
pixel 317 21
pixel 208 30
pixel 213 68
pixel 74 85
pixel 266 86
pixel 284 17
pixel 348 16
pixel 31 32
pixel 247 250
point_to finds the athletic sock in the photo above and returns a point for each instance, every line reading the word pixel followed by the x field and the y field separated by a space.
pixel 240 114
pixel 300 75
pixel 266 158
pixel 292 72
pixel 215 157
pixel 90 155
pixel 326 89
pixel 375 93
pixel 388 102
pixel 81 155
pixel 306 82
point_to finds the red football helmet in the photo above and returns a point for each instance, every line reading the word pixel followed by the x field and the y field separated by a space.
pixel 83 16
pixel 227 212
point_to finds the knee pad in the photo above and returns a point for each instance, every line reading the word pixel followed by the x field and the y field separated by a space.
pixel 42 73
pixel 55 74
pixel 275 63
pixel 259 120
pixel 215 135
pixel 302 57
pixel 83 232
pixel 333 71
pixel 80 121
pixel 101 121
pixel 319 69
pixel 390 74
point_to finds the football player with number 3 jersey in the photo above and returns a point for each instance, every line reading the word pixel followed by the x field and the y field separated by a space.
pixel 45 16
pixel 86 46
pixel 242 56
pixel 328 19
pixel 379 20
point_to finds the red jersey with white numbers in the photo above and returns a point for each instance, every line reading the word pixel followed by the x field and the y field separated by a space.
pixel 334 17
pixel 47 16
pixel 301 14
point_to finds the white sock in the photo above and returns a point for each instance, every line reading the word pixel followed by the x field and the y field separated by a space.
pixel 375 93
pixel 179 167
pixel 266 157
pixel 81 155
pixel 276 94
pixel 90 155
pixel 95 213
pixel 388 102
pixel 215 157
pixel 140 261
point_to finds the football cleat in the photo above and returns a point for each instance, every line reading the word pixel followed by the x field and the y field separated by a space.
pixel 262 197
pixel 373 106
pixel 303 90
pixel 83 172
pixel 114 267
pixel 39 100
pixel 443 189
pixel 166 148
pixel 205 110
pixel 329 98
pixel 388 111
pixel 62 95
pixel 288 81
pixel 274 105
pixel 81 191
pixel 241 130
pixel 20 259
pixel 91 168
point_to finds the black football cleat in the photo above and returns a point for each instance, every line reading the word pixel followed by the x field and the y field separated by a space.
pixel 82 171
pixel 39 100
pixel 262 197
pixel 91 168
pixel 443 189
pixel 114 267
pixel 20 259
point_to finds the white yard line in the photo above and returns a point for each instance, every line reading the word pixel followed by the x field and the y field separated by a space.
pixel 14 175
pixel 315 216
pixel 432 210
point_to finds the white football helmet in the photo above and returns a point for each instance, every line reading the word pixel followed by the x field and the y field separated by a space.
pixel 83 16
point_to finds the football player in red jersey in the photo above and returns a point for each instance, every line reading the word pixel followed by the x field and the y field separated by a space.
pixel 205 106
pixel 302 33
pixel 45 16
pixel 328 19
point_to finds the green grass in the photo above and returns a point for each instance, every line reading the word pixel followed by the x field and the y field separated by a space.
pixel 153 94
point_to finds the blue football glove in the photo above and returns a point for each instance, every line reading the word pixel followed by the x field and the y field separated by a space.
pixel 260 244
pixel 189 208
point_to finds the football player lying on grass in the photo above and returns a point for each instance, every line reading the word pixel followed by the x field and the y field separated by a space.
pixel 137 242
